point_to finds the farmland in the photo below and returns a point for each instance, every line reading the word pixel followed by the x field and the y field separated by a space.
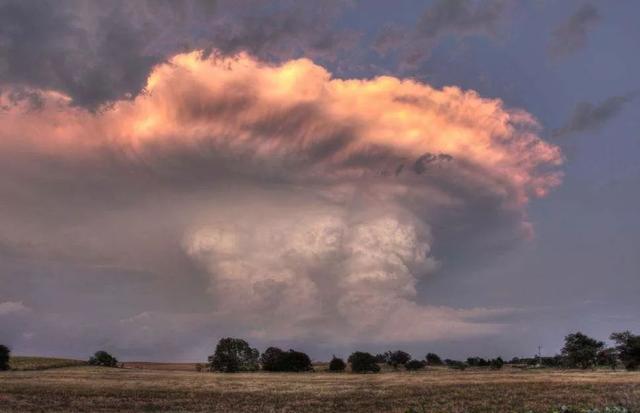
pixel 167 387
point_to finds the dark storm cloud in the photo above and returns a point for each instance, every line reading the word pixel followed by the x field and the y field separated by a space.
pixel 588 116
pixel 571 36
pixel 443 17
pixel 49 45
pixel 99 52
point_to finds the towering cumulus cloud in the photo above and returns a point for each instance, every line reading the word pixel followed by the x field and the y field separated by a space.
pixel 304 204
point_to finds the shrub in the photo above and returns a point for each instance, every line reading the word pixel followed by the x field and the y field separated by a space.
pixel 337 364
pixel 398 357
pixel 104 359
pixel 628 347
pixel 580 350
pixel 362 362
pixel 433 359
pixel 415 365
pixel 199 367
pixel 274 359
pixel 233 354
pixel 4 357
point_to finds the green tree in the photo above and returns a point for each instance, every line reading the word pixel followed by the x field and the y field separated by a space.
pixel 232 355
pixel 271 359
pixel 581 350
pixel 628 347
pixel 496 363
pixel 4 357
pixel 433 360
pixel 337 364
pixel 413 365
pixel 608 357
pixel 104 359
pixel 274 359
pixel 362 362
pixel 397 358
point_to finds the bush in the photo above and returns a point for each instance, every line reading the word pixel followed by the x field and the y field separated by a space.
pixel 413 365
pixel 362 362
pixel 232 355
pixel 628 347
pixel 580 350
pixel 274 359
pixel 337 364
pixel 433 359
pixel 4 357
pixel 104 359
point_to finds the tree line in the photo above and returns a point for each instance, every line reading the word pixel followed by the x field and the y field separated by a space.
pixel 236 355
pixel 579 351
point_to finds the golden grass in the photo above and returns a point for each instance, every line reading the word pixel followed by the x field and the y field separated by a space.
pixel 41 363
pixel 439 390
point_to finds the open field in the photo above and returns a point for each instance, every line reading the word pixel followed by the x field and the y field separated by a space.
pixel 41 363
pixel 87 388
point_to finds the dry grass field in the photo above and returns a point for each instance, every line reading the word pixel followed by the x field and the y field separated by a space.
pixel 85 389
pixel 41 363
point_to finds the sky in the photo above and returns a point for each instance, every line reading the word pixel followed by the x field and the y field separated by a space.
pixel 449 176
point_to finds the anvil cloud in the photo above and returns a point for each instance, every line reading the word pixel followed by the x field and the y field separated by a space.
pixel 304 205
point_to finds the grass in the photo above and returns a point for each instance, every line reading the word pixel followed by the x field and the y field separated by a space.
pixel 42 363
pixel 88 388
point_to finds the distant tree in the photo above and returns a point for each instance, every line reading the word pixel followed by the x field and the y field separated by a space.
pixel 433 359
pixel 608 357
pixel 628 347
pixel 104 359
pixel 397 358
pixel 581 350
pixel 233 354
pixel 477 362
pixel 413 365
pixel 496 363
pixel 382 357
pixel 515 360
pixel 555 361
pixel 274 359
pixel 296 361
pixel 4 357
pixel 271 359
pixel 337 364
pixel 362 362
pixel 199 367
pixel 455 364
